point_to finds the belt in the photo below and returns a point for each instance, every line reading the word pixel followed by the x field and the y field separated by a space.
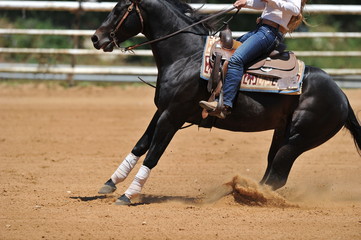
pixel 275 25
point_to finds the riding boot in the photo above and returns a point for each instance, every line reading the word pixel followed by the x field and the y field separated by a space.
pixel 214 110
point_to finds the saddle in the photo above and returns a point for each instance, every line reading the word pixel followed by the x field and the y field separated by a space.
pixel 279 64
pixel 279 72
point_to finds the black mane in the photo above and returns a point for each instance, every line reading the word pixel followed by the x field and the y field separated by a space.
pixel 181 6
pixel 194 14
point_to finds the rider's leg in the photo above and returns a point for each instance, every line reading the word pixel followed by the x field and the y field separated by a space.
pixel 261 42
pixel 255 44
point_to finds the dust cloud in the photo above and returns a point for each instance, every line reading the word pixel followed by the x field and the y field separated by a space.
pixel 246 191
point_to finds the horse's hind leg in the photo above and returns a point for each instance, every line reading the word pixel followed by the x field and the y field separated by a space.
pixel 301 138
pixel 131 159
pixel 279 137
pixel 278 171
pixel 320 114
pixel 307 131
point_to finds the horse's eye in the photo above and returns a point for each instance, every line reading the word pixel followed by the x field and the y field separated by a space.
pixel 117 11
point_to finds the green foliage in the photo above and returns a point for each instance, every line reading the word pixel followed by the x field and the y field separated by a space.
pixel 241 22
pixel 37 41
pixel 34 41
pixel 329 23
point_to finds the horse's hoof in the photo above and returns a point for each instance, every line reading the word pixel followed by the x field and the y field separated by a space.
pixel 109 187
pixel 123 200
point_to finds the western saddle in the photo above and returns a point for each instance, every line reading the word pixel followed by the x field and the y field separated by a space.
pixel 278 64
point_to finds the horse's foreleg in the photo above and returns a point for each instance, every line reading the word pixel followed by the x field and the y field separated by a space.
pixel 131 160
pixel 166 127
pixel 144 142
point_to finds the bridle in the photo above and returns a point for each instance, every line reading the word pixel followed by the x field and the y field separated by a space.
pixel 126 14
pixel 135 3
pixel 130 48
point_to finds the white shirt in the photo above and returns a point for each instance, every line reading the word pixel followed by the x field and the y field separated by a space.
pixel 278 11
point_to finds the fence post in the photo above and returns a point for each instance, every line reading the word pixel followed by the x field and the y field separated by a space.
pixel 76 26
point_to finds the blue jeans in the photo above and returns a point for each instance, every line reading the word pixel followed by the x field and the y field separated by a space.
pixel 255 44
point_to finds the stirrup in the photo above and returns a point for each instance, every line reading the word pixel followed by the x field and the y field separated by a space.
pixel 221 112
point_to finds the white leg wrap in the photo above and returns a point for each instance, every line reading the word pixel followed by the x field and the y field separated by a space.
pixel 124 168
pixel 139 180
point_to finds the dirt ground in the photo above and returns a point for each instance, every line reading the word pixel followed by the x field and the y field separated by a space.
pixel 58 146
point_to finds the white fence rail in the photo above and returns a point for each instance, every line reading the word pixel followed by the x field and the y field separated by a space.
pixel 207 8
pixel 45 69
pixel 79 52
pixel 88 33
pixel 119 70
pixel 75 6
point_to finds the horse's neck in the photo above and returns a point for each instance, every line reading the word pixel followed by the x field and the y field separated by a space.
pixel 162 21
pixel 170 51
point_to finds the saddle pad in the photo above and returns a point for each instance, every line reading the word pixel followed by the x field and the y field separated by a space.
pixel 289 85
pixel 206 69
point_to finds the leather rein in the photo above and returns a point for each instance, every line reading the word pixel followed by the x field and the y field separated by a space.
pixel 130 48
pixel 130 9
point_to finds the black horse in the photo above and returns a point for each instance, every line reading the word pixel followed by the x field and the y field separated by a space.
pixel 300 123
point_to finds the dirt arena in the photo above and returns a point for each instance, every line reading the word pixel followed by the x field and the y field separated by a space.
pixel 58 146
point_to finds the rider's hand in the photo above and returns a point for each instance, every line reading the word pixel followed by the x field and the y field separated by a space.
pixel 240 3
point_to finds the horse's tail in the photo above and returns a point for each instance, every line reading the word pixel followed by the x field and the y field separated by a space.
pixel 353 125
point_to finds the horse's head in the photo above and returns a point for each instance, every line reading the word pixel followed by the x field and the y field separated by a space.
pixel 123 22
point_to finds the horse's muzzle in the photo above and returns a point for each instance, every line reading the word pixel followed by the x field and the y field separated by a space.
pixel 102 43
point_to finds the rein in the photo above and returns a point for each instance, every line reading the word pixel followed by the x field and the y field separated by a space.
pixel 130 48
pixel 131 7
